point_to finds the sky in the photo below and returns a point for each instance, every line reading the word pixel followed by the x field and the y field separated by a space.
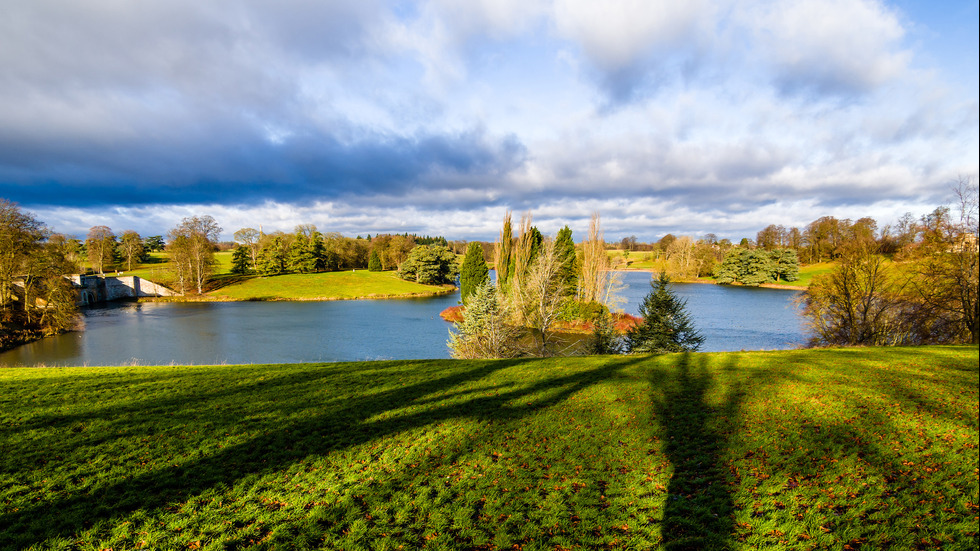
pixel 438 117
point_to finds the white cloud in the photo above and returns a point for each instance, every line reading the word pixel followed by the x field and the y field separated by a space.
pixel 837 46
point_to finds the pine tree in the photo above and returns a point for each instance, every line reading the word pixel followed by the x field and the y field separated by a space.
pixel 240 259
pixel 666 325
pixel 474 271
pixel 565 249
pixel 374 261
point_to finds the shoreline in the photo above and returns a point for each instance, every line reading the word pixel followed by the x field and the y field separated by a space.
pixel 438 293
pixel 705 281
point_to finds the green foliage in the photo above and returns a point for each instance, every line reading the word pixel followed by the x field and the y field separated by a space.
pixel 374 261
pixel 240 260
pixel 474 271
pixel 273 258
pixel 666 325
pixel 565 250
pixel 604 339
pixel 787 264
pixel 728 271
pixel 430 265
pixel 485 331
pixel 823 449
pixel 154 243
pixel 756 267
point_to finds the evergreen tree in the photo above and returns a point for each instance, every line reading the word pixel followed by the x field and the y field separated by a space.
pixel 374 261
pixel 757 268
pixel 565 249
pixel 273 258
pixel 474 272
pixel 666 325
pixel 429 265
pixel 485 331
pixel 787 264
pixel 729 269
pixel 240 260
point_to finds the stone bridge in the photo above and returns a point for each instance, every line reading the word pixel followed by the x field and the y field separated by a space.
pixel 93 289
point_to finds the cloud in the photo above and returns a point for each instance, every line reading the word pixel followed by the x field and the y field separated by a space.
pixel 841 47
pixel 409 115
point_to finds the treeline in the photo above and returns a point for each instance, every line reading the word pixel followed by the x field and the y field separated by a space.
pixel 307 250
pixel 927 293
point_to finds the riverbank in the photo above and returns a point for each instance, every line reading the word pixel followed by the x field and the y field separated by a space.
pixel 350 285
pixel 722 450
pixel 794 286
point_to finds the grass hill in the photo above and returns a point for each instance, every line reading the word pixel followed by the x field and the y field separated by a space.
pixel 815 449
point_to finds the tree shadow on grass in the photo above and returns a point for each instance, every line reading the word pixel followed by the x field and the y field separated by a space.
pixel 295 438
pixel 699 508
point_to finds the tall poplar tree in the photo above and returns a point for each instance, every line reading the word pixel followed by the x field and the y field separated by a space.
pixel 502 253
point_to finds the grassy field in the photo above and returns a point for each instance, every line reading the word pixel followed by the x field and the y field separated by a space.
pixel 325 286
pixel 817 449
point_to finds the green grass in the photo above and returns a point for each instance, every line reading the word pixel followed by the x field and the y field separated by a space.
pixel 324 286
pixel 817 449
pixel 807 273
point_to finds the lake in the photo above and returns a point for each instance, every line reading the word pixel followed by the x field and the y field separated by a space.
pixel 730 318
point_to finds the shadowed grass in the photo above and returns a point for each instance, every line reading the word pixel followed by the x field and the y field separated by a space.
pixel 803 449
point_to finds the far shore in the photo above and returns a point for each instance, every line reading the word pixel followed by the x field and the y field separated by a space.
pixel 707 281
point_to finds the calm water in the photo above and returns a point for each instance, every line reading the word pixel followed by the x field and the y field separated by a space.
pixel 278 332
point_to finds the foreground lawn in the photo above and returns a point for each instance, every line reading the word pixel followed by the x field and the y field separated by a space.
pixel 824 449
pixel 325 286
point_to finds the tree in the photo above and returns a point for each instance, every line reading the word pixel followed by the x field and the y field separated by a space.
pixel 21 236
pixel 485 331
pixel 249 237
pixel 430 265
pixel 541 296
pixel 946 266
pixel 274 257
pixel 565 250
pixel 374 261
pixel 856 303
pixel 595 264
pixel 474 271
pixel 192 245
pixel 666 325
pixel 502 253
pixel 132 248
pixel 756 268
pixel 154 243
pixel 241 260
pixel 100 246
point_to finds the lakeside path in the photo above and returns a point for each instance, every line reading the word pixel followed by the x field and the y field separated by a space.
pixel 349 285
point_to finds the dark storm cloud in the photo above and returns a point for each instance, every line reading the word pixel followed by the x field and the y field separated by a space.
pixel 247 171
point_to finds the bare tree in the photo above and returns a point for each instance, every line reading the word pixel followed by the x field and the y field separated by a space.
pixel 192 246
pixel 100 246
pixel 544 295
pixel 595 264
pixel 250 238
pixel 946 264
pixel 132 247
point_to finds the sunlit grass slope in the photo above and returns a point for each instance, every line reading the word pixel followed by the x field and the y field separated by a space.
pixel 324 286
pixel 818 449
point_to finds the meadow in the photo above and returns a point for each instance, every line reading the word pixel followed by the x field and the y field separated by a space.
pixel 812 449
